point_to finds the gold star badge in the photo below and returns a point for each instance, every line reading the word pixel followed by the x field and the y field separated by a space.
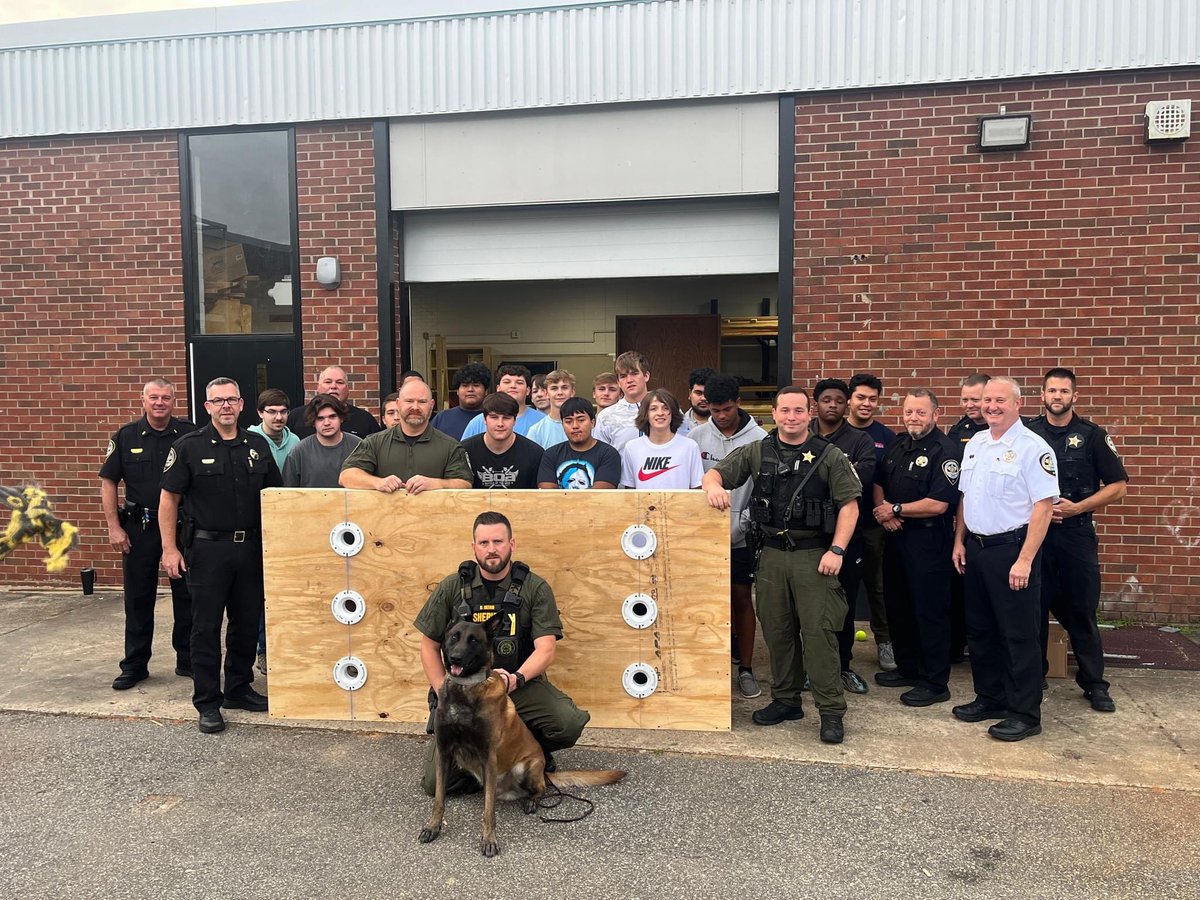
pixel 807 456
pixel 1074 440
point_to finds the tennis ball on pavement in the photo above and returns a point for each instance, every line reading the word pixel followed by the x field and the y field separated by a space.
pixel 860 635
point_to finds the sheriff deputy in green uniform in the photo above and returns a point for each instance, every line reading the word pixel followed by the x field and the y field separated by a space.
pixel 494 584
pixel 805 505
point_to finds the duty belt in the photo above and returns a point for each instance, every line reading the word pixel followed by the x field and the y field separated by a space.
pixel 238 537
pixel 145 511
pixel 1016 536
pixel 1079 521
pixel 789 543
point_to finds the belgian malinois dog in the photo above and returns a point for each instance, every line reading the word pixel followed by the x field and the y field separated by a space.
pixel 476 727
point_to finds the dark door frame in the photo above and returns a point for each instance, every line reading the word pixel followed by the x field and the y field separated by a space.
pixel 191 301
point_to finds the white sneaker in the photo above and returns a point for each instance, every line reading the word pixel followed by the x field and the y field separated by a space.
pixel 887 658
pixel 748 685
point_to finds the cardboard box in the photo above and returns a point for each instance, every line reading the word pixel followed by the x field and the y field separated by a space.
pixel 228 315
pixel 224 263
pixel 1056 651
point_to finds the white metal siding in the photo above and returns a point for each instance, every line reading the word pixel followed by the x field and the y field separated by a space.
pixel 620 52
pixel 631 240
pixel 634 151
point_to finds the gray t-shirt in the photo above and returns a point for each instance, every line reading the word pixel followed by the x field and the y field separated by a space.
pixel 313 465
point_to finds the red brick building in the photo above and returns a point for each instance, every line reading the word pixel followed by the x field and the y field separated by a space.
pixel 474 206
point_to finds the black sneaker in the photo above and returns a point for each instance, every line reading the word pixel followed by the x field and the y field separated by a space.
pixel 775 712
pixel 894 679
pixel 126 680
pixel 832 730
pixel 920 696
pixel 252 701
pixel 211 721
pixel 1101 700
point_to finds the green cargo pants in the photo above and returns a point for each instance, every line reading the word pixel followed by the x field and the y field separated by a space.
pixel 801 612
pixel 551 715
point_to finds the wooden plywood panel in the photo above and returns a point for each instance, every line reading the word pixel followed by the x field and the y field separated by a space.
pixel 572 539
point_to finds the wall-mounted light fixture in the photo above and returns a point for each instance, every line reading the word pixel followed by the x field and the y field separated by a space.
pixel 329 272
pixel 1004 132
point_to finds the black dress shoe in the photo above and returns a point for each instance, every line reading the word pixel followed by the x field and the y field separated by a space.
pixel 775 712
pixel 977 711
pixel 832 731
pixel 920 696
pixel 895 679
pixel 1102 701
pixel 211 721
pixel 183 671
pixel 252 700
pixel 1013 730
pixel 126 680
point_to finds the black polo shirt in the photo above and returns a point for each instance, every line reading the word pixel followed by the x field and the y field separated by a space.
pixel 914 469
pixel 221 479
pixel 136 455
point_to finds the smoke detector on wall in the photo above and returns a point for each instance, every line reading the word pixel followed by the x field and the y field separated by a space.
pixel 1168 120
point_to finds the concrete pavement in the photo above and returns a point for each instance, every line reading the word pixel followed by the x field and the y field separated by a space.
pixel 61 652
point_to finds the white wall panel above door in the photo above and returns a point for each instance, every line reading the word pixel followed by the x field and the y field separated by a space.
pixel 620 240
pixel 639 151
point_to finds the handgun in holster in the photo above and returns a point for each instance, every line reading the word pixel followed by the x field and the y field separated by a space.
pixel 185 532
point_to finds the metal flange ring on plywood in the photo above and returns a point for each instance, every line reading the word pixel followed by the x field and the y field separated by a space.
pixel 346 539
pixel 639 611
pixel 350 673
pixel 639 541
pixel 349 607
pixel 640 681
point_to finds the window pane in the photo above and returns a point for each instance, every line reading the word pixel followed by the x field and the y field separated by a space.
pixel 242 229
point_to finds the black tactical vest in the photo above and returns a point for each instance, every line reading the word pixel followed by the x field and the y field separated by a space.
pixel 513 645
pixel 1077 476
pixel 775 501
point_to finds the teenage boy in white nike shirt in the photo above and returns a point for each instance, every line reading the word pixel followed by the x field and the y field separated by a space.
pixel 660 459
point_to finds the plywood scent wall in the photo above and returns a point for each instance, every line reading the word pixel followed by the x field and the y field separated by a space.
pixel 572 539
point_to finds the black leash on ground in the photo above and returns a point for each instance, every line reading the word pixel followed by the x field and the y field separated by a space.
pixel 551 801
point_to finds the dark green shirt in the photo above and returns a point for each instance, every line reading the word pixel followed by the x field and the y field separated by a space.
pixel 538 615
pixel 745 462
pixel 432 454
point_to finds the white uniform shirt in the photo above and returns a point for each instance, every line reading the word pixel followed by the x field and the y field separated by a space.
pixel 1001 479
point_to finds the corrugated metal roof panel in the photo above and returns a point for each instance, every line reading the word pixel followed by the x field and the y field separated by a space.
pixel 606 53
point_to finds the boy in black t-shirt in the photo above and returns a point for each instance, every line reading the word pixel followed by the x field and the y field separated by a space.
pixel 499 457
pixel 581 462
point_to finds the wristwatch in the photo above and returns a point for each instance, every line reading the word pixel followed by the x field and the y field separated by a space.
pixel 520 680
pixel 896 510
pixel 837 551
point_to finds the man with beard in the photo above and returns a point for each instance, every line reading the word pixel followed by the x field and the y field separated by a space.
pixel 470 384
pixel 412 457
pixel 915 497
pixel 1091 475
pixel 971 423
pixel 697 413
pixel 494 584
pixel 831 397
pixel 333 380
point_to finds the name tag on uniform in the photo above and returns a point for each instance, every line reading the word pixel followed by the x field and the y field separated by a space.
pixel 208 462
pixel 135 449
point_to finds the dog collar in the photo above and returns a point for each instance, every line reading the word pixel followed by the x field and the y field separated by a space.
pixel 478 678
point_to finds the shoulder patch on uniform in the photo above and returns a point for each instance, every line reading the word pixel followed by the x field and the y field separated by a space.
pixel 1111 445
pixel 950 470
pixel 170 459
pixel 112 446
pixel 1047 461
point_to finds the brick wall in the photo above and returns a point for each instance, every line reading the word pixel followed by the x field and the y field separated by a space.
pixel 920 259
pixel 335 183
pixel 92 304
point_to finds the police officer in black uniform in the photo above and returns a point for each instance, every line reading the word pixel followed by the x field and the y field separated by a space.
pixel 220 469
pixel 1090 476
pixel 136 455
pixel 960 432
pixel 915 497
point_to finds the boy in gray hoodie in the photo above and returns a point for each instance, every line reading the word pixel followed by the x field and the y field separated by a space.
pixel 730 427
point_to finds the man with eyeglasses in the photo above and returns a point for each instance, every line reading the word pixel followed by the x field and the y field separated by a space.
pixel 273 407
pixel 220 470
pixel 333 380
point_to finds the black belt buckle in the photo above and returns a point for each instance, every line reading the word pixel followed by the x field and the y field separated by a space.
pixel 239 537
